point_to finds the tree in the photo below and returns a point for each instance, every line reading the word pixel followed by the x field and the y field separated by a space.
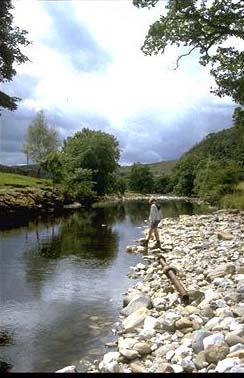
pixel 163 184
pixel 40 139
pixel 96 151
pixel 215 178
pixel 12 38
pixel 52 164
pixel 206 26
pixel 141 178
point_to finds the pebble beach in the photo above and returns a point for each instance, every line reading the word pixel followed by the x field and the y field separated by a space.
pixel 157 330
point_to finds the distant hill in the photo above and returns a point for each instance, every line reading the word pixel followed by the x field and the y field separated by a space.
pixel 156 168
pixel 227 144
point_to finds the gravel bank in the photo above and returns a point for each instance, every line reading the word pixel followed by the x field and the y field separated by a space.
pixel 160 333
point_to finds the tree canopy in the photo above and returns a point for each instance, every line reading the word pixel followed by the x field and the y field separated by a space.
pixel 206 26
pixel 140 178
pixel 11 40
pixel 40 139
pixel 95 151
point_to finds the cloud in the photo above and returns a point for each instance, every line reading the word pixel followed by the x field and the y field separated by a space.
pixel 72 39
pixel 87 70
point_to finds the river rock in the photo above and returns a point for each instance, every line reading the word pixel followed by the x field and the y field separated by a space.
pixel 217 352
pixel 227 364
pixel 238 353
pixel 138 301
pixel 164 367
pixel 110 364
pixel 197 340
pixel 130 354
pixel 126 343
pixel 142 348
pixel 137 367
pixel 221 271
pixel 238 310
pixel 68 369
pixel 135 319
pixel 127 298
pixel 168 320
pixel 200 360
pixel 233 339
pixel 215 339
pixel 187 364
pixel 223 235
pixel 183 323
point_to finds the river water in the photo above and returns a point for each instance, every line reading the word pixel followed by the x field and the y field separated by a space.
pixel 62 279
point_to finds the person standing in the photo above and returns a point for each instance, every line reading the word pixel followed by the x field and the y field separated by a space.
pixel 154 219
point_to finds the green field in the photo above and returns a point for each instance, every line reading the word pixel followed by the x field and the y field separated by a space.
pixel 156 168
pixel 10 180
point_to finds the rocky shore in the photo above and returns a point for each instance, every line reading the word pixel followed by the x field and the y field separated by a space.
pixel 29 199
pixel 160 333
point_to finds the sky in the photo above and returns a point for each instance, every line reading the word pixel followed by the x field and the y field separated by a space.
pixel 87 69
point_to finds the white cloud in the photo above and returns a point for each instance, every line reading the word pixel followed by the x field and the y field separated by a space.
pixel 130 86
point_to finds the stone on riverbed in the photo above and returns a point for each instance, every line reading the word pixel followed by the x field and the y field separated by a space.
pixel 110 364
pixel 68 369
pixel 221 271
pixel 206 335
pixel 135 319
pixel 138 301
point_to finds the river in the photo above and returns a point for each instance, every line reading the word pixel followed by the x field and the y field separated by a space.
pixel 62 279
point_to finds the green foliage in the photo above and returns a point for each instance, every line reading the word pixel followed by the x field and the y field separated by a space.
pixel 40 139
pixel 238 117
pixel 233 201
pixel 53 165
pixel 236 199
pixel 12 38
pixel 95 151
pixel 183 176
pixel 141 179
pixel 216 178
pixel 79 185
pixel 163 184
pixel 118 184
pixel 161 167
pixel 212 168
pixel 206 26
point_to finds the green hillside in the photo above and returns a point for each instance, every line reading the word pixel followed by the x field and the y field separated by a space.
pixel 10 180
pixel 156 168
pixel 214 167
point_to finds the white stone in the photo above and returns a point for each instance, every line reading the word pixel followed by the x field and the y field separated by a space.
pixel 226 364
pixel 236 347
pixel 111 356
pixel 169 355
pixel 67 369
pixel 135 318
pixel 239 277
pixel 109 367
pixel 177 368
pixel 141 266
pixel 150 323
pixel 212 323
pixel 187 364
pixel 214 339
pixel 126 343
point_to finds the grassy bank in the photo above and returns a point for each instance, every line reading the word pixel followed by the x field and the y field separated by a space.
pixel 11 181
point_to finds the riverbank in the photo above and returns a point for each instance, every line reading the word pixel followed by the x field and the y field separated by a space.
pixel 29 199
pixel 160 333
pixel 39 199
